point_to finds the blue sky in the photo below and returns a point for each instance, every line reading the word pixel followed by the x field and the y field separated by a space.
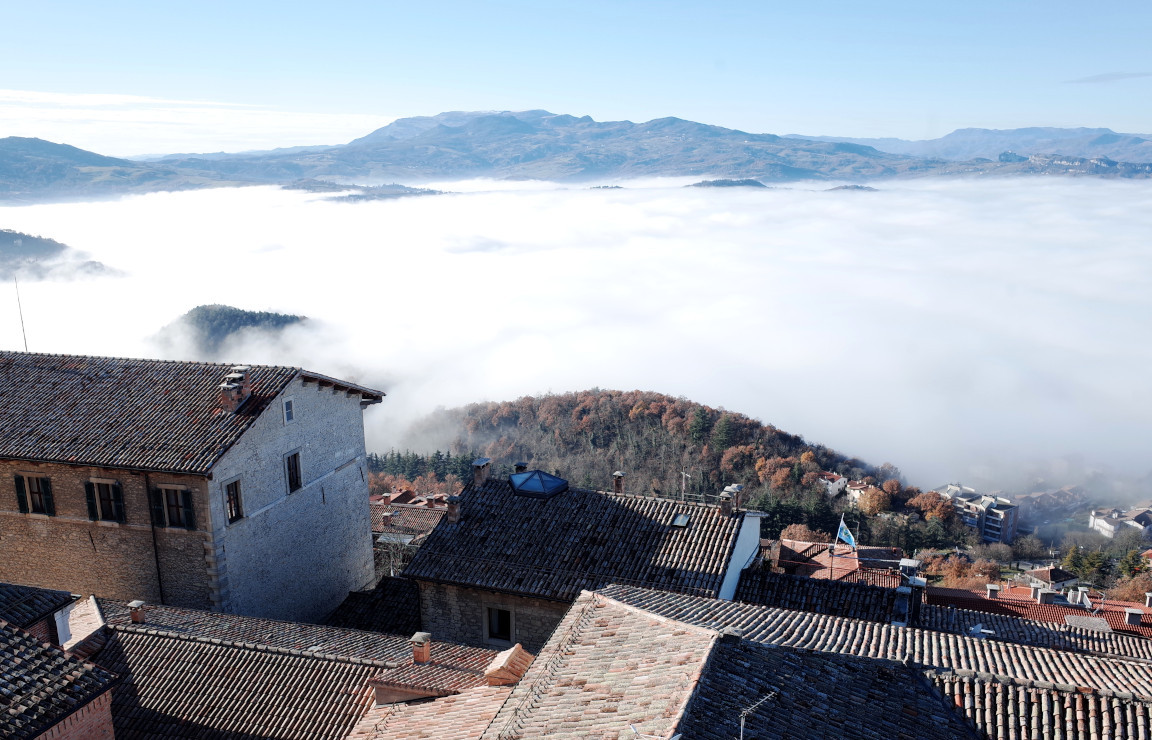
pixel 245 75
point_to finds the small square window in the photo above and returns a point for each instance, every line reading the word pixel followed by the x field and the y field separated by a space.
pixel 499 624
pixel 232 501
pixel 292 462
pixel 289 411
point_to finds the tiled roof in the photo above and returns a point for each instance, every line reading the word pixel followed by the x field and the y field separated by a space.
pixel 124 413
pixel 1018 602
pixel 406 519
pixel 1052 575
pixel 23 605
pixel 874 565
pixel 40 684
pixel 761 586
pixel 463 716
pixel 607 666
pixel 553 548
pixel 810 694
pixel 393 607
pixel 1003 708
pixel 926 648
pixel 201 674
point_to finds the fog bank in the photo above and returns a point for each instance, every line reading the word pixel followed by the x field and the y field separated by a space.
pixel 967 330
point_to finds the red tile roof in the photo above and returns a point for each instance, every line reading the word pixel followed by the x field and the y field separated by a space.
pixel 40 685
pixel 463 716
pixel 553 548
pixel 126 413
pixel 410 520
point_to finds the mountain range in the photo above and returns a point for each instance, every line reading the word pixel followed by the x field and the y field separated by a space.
pixel 541 145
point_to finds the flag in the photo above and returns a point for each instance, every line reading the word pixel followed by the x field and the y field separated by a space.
pixel 844 534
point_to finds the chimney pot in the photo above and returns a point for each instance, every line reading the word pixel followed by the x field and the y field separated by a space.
pixel 618 482
pixel 453 513
pixel 480 467
pixel 136 611
pixel 726 503
pixel 736 491
pixel 421 647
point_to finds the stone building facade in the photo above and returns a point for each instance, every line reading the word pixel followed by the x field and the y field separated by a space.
pixel 239 489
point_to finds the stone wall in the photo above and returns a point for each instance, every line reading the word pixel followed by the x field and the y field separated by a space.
pixel 295 555
pixel 457 614
pixel 115 560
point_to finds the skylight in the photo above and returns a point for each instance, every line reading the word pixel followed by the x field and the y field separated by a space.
pixel 537 484
pixel 680 520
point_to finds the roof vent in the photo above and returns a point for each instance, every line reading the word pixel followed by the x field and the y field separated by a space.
pixel 537 484
pixel 618 482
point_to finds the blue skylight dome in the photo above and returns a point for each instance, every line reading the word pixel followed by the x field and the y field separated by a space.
pixel 537 484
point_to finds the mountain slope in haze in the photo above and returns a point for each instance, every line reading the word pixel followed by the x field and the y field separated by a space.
pixel 29 257
pixel 972 143
pixel 205 331
pixel 34 169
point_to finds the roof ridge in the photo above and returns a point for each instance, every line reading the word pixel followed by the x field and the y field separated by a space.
pixel 652 615
pixel 1063 688
pixel 255 646
pixel 16 353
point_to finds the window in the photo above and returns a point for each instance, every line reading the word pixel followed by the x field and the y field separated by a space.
pixel 105 500
pixel 232 501
pixel 289 411
pixel 34 495
pixel 292 462
pixel 172 507
pixel 499 627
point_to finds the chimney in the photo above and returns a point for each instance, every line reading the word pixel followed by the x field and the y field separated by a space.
pixel 1047 596
pixel 993 590
pixel 521 467
pixel 726 503
pixel 1082 596
pixel 1148 599
pixel 386 519
pixel 508 667
pixel 731 635
pixel 1036 591
pixel 735 491
pixel 917 586
pixel 136 611
pixel 430 502
pixel 480 467
pixel 1132 617
pixel 618 482
pixel 421 647
pixel 235 389
pixel 453 509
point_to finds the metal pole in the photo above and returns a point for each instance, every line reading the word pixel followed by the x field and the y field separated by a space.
pixel 20 309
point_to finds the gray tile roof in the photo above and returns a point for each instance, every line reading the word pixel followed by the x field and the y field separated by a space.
pixel 823 596
pixel 1003 708
pixel 40 685
pixel 393 606
pixel 925 648
pixel 553 548
pixel 199 674
pixel 126 413
pixel 24 605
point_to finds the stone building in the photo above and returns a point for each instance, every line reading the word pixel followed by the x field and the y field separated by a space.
pixel 240 489
pixel 511 555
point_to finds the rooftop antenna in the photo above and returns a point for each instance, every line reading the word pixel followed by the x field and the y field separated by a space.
pixel 753 708
pixel 19 308
pixel 684 485
pixel 677 736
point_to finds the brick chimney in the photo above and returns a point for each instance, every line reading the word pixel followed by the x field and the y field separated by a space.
pixel 480 468
pixel 235 389
pixel 508 667
pixel 453 509
pixel 737 491
pixel 421 647
pixel 993 590
pixel 136 611
pixel 726 503
pixel 618 482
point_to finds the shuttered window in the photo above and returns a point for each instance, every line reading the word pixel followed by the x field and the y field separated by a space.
pixel 34 495
pixel 172 507
pixel 105 501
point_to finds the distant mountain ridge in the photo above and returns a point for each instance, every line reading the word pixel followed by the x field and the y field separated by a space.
pixel 972 143
pixel 537 144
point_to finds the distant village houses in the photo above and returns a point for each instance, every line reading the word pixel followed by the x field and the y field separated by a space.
pixel 995 518
pixel 1110 522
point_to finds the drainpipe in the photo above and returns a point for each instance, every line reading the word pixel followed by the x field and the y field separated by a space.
pixel 155 545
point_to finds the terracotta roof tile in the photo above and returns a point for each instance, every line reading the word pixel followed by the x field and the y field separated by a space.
pixel 41 684
pixel 23 605
pixel 463 716
pixel 856 600
pixel 404 519
pixel 126 413
pixel 553 548
pixel 926 648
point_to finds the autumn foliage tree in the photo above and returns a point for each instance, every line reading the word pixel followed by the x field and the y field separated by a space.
pixel 801 533
pixel 873 501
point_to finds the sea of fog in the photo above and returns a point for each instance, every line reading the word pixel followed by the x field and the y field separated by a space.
pixel 985 331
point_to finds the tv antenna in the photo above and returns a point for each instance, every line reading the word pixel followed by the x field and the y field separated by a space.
pixel 19 308
pixel 744 715
pixel 677 736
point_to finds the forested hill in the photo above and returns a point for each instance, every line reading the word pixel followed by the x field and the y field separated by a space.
pixel 652 438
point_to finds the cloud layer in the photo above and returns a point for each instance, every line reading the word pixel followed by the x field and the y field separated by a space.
pixel 961 330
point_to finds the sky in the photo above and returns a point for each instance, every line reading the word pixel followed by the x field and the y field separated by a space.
pixel 981 331
pixel 134 78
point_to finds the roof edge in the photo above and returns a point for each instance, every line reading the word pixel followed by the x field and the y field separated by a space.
pixel 367 395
